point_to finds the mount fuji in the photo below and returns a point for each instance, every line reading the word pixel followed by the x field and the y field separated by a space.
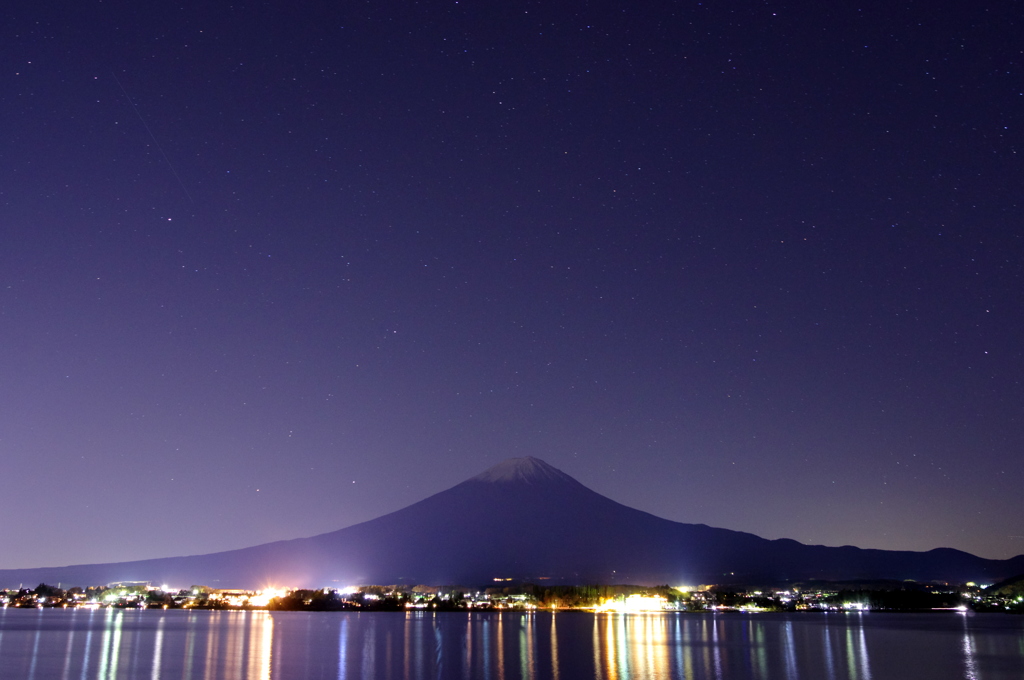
pixel 528 521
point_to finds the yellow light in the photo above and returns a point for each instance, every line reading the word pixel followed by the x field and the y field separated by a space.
pixel 263 597
pixel 634 603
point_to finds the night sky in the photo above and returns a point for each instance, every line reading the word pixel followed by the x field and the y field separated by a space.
pixel 271 269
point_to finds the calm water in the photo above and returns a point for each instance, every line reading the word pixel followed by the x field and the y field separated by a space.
pixel 203 645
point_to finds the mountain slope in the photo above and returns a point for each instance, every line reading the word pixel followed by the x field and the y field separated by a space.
pixel 524 519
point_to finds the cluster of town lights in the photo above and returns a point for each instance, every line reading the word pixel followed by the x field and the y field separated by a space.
pixel 133 594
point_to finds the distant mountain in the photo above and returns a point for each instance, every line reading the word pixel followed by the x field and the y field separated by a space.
pixel 525 520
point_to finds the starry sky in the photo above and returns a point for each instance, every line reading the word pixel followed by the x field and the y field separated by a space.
pixel 271 269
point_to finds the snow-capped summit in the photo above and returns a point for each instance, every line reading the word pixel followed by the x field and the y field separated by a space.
pixel 527 469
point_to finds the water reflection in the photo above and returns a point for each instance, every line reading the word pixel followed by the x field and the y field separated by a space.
pixel 554 648
pixel 157 649
pixel 633 645
pixel 165 645
pixel 88 649
pixel 35 653
pixel 110 647
pixel 680 646
pixel 970 663
pixel 790 653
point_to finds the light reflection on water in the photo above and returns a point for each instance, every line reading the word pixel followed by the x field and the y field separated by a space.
pixel 207 645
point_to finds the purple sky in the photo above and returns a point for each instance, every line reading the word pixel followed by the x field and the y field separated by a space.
pixel 268 270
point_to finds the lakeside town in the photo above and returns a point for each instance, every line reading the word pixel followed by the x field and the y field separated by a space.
pixel 821 597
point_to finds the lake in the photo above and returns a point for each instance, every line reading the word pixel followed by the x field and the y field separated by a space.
pixel 259 645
